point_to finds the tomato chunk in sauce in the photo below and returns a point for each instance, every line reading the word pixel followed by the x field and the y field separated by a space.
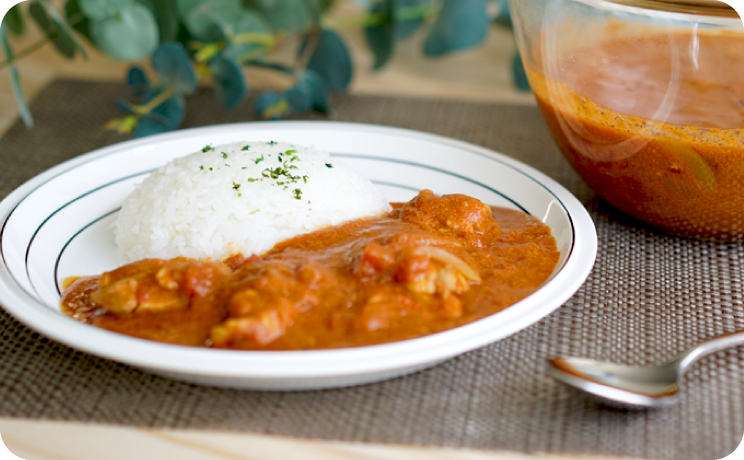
pixel 431 264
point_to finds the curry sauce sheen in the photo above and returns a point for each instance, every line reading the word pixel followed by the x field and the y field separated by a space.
pixel 655 125
pixel 432 264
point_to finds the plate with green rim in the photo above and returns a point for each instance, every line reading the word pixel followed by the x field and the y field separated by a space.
pixel 60 224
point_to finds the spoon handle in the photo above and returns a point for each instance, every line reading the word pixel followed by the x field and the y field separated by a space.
pixel 719 343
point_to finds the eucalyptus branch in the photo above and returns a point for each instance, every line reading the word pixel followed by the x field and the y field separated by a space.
pixel 249 41
pixel 252 37
pixel 24 52
pixel 250 56
pixel 307 53
pixel 408 13
pixel 208 51
pixel 126 124
pixel 38 44
pixel 145 109
pixel 313 8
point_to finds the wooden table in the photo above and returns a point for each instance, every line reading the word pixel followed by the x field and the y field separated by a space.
pixel 483 74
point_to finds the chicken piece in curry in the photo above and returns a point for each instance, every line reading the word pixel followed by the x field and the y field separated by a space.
pixel 431 264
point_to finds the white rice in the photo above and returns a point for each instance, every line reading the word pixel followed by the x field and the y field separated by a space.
pixel 219 202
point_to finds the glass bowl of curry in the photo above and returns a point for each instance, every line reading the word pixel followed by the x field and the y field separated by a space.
pixel 645 99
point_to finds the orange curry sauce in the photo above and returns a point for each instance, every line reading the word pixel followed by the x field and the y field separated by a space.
pixel 655 125
pixel 431 264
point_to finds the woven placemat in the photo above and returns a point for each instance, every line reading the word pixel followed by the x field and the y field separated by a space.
pixel 649 296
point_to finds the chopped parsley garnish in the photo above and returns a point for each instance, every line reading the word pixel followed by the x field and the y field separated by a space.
pixel 273 173
pixel 235 186
pixel 210 169
pixel 271 143
pixel 290 151
pixel 245 148
pixel 207 148
pixel 328 165
pixel 250 179
pixel 224 155
pixel 297 194
pixel 259 160
pixel 227 165
pixel 201 167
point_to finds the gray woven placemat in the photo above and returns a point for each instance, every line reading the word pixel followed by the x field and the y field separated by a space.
pixel 648 296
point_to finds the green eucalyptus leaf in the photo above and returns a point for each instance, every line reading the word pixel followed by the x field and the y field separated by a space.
pixel 324 5
pixel 130 35
pixel 76 19
pixel 271 105
pixel 299 98
pixel 273 66
pixel 166 15
pixel 229 83
pixel 185 7
pixel 15 81
pixel 318 89
pixel 20 98
pixel 138 83
pixel 102 9
pixel 208 20
pixel 166 117
pixel 55 28
pixel 461 24
pixel 183 36
pixel 520 75
pixel 288 15
pixel 308 93
pixel 246 22
pixel 409 16
pixel 330 59
pixel 381 37
pixel 13 21
pixel 398 20
pixel 172 63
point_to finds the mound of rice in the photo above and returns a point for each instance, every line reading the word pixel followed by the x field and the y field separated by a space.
pixel 240 198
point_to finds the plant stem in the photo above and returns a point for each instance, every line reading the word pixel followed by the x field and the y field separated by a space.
pixel 313 8
pixel 153 103
pixel 24 52
pixel 74 20
pixel 250 55
pixel 252 37
pixel 312 42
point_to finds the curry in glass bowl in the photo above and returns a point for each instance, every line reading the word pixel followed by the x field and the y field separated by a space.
pixel 645 99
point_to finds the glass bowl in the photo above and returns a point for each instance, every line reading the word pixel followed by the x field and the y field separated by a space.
pixel 645 98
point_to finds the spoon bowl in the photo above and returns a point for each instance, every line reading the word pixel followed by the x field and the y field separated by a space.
pixel 650 386
pixel 641 387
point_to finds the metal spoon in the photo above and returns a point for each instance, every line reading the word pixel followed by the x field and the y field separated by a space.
pixel 625 386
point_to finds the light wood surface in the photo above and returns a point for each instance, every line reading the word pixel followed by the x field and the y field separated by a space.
pixel 482 74
pixel 63 441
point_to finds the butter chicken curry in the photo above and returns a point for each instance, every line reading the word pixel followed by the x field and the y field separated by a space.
pixel 431 264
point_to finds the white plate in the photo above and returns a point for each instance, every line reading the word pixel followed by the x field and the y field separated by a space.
pixel 59 224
